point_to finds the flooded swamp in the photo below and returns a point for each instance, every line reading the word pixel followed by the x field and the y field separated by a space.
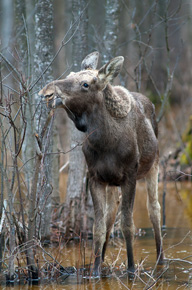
pixel 74 257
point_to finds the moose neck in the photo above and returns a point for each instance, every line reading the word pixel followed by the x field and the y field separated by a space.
pixel 104 120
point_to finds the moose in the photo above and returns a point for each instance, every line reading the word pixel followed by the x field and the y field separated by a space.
pixel 121 147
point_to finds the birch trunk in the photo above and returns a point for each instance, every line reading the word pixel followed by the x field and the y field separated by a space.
pixel 28 150
pixel 6 190
pixel 11 271
pixel 6 27
pixel 43 57
pixel 24 49
pixel 76 158
pixel 111 29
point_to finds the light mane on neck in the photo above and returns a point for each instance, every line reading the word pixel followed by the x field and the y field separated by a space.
pixel 118 101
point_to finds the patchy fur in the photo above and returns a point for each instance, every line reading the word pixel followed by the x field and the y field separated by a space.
pixel 118 101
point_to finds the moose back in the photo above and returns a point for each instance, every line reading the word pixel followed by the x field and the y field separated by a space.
pixel 121 147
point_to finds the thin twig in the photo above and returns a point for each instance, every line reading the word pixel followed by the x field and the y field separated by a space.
pixel 157 279
pixel 55 261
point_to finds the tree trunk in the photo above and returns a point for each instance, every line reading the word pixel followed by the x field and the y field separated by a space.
pixel 43 57
pixel 6 190
pixel 11 271
pixel 76 158
pixel 6 27
pixel 21 34
pixel 111 29
pixel 28 149
pixel 32 269
pixel 55 197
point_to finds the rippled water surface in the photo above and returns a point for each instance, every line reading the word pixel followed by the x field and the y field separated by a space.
pixel 177 239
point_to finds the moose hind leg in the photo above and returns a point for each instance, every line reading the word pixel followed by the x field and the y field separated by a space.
pixel 112 208
pixel 154 208
pixel 98 192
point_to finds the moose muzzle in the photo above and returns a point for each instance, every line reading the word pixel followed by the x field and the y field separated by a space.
pixel 53 102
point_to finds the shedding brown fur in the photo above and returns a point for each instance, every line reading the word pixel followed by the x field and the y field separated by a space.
pixel 121 147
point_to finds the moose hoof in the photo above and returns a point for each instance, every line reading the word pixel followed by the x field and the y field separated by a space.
pixel 95 272
pixel 161 260
pixel 131 272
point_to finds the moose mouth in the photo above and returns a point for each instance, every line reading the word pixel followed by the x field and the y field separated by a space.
pixel 53 101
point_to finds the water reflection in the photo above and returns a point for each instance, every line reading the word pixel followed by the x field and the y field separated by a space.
pixel 175 274
pixel 186 196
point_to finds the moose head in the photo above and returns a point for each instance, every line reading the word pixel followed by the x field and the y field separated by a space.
pixel 79 91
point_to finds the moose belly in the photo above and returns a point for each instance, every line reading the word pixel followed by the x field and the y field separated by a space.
pixel 105 167
pixel 108 172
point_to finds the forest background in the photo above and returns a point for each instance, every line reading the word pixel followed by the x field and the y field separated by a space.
pixel 44 192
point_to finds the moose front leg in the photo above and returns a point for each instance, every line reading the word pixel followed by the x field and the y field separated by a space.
pixel 98 193
pixel 127 225
pixel 112 208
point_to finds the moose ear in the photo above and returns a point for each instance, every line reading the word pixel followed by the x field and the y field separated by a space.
pixel 110 70
pixel 90 61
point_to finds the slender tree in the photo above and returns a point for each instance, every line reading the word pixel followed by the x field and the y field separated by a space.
pixel 76 159
pixel 6 27
pixel 42 60
pixel 110 38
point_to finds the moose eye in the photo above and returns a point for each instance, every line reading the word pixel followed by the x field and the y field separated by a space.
pixel 85 85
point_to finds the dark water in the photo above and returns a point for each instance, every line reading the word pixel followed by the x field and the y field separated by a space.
pixel 177 239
